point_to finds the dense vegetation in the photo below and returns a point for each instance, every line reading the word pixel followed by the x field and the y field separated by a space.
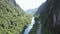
pixel 12 18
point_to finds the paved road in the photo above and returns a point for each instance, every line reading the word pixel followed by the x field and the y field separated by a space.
pixel 39 29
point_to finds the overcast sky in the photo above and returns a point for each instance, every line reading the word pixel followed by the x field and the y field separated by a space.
pixel 29 4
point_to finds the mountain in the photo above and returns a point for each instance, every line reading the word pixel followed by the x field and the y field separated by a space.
pixel 40 9
pixel 12 18
pixel 50 17
pixel 31 11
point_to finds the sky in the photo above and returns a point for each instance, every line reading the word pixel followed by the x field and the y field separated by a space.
pixel 29 4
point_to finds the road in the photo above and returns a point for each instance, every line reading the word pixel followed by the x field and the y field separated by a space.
pixel 39 29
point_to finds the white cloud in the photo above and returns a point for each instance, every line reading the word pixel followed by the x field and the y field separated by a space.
pixel 29 4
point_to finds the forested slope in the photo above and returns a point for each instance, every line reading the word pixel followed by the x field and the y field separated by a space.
pixel 12 18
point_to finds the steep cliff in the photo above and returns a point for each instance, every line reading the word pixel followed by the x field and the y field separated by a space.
pixel 50 17
pixel 12 18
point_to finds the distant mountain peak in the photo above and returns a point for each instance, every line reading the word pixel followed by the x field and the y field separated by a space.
pixel 31 11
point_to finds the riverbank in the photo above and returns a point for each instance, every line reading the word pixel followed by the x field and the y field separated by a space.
pixel 23 29
pixel 28 28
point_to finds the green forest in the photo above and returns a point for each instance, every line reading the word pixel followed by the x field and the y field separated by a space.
pixel 12 18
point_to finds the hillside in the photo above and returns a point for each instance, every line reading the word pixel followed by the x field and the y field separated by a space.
pixel 31 11
pixel 12 18
pixel 40 9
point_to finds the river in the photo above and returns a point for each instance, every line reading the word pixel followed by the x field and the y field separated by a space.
pixel 30 26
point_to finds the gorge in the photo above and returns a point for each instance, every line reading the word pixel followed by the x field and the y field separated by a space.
pixel 13 19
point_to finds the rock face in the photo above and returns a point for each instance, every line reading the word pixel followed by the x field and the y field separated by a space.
pixel 50 17
pixel 12 17
pixel 40 9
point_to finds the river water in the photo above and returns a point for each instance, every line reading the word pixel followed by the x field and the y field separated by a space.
pixel 29 27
